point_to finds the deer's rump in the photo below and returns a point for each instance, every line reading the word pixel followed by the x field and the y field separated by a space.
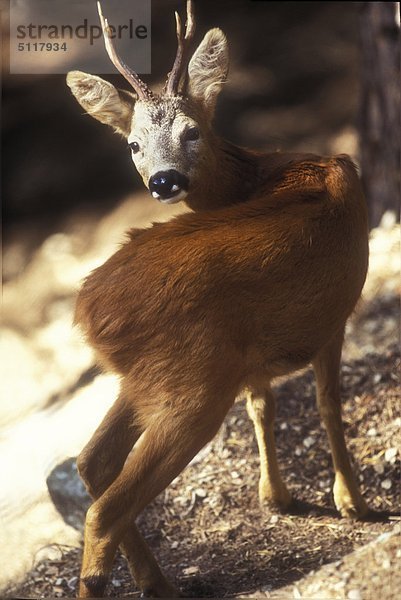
pixel 270 279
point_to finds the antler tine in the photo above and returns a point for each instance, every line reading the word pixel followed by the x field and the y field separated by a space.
pixel 178 26
pixel 144 93
pixel 184 43
pixel 190 25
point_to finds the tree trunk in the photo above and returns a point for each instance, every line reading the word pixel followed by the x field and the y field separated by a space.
pixel 380 107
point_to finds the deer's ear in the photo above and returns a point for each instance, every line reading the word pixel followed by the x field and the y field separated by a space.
pixel 208 68
pixel 102 100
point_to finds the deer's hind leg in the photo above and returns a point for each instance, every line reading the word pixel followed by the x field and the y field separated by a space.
pixel 172 438
pixel 99 464
pixel 347 496
pixel 104 455
pixel 261 409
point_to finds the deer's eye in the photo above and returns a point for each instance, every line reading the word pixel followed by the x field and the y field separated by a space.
pixel 191 134
pixel 134 147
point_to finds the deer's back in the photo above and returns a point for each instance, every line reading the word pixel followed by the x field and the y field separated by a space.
pixel 269 280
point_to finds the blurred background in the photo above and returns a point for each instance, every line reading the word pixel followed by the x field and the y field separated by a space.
pixel 305 76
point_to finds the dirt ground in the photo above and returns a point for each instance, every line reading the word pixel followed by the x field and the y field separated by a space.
pixel 212 537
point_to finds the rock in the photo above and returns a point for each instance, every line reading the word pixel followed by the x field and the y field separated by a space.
pixel 390 455
pixel 68 493
pixel 190 571
pixel 354 595
pixel 72 583
pixel 379 468
pixel 58 591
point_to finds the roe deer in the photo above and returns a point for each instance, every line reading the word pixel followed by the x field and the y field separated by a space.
pixel 256 283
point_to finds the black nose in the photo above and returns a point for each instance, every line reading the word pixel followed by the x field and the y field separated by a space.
pixel 167 184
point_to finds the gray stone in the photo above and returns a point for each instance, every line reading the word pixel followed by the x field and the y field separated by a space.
pixel 68 493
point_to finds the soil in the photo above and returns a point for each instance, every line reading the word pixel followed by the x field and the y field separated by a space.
pixel 212 537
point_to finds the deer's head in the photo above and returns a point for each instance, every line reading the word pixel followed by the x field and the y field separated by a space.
pixel 170 133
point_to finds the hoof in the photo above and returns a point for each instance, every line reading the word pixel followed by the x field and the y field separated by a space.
pixel 350 506
pixel 351 510
pixel 277 501
pixel 92 586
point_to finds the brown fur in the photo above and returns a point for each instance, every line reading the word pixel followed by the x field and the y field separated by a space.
pixel 256 283
pixel 157 288
pixel 191 311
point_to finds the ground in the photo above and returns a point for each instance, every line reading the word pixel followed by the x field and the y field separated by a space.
pixel 212 537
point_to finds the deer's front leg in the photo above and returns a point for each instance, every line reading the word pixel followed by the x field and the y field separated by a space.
pixel 347 496
pixel 162 451
pixel 261 409
pixel 99 464
pixel 146 572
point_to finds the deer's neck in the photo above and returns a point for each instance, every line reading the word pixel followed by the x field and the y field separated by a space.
pixel 232 176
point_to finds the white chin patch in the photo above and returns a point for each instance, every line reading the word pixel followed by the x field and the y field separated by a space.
pixel 174 199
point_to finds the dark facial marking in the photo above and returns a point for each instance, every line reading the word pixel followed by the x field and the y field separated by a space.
pixel 166 110
pixel 159 114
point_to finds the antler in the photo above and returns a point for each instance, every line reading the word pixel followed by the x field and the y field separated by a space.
pixel 184 43
pixel 144 93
